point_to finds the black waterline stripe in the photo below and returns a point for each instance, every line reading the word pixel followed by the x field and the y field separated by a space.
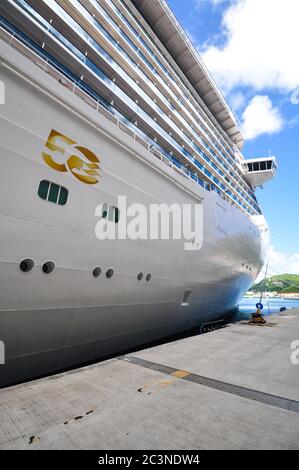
pixel 255 395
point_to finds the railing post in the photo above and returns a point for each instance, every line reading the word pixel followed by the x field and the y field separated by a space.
pixel 11 38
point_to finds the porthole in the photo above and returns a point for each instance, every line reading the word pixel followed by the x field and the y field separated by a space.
pixel 97 272
pixel 26 265
pixel 109 273
pixel 48 267
pixel 140 276
pixel 148 277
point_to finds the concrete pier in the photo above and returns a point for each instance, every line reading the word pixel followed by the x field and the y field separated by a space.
pixel 234 388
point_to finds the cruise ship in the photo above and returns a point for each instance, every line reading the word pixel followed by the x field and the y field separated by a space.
pixel 101 99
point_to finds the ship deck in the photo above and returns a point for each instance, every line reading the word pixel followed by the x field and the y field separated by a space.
pixel 234 388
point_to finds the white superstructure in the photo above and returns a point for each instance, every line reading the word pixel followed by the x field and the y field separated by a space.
pixel 258 171
pixel 101 100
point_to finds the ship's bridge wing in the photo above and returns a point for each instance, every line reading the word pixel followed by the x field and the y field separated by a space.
pixel 258 171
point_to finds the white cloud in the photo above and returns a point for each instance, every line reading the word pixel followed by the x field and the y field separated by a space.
pixel 261 48
pixel 260 117
pixel 280 263
pixel 214 2
pixel 237 100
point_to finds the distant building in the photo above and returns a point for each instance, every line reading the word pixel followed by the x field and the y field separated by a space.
pixel 277 283
pixel 290 295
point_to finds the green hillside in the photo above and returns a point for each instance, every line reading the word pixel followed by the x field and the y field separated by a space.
pixel 283 283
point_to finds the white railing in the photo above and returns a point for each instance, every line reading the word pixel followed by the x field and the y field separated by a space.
pixel 69 82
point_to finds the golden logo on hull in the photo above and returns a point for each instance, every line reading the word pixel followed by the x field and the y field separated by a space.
pixel 65 155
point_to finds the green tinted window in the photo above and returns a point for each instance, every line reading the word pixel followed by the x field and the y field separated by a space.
pixel 43 189
pixel 53 192
pixel 63 196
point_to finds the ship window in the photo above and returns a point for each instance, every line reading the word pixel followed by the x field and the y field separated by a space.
pixel 26 265
pixel 43 189
pixel 48 267
pixel 269 165
pixel 250 166
pixel 105 211
pixel 263 165
pixel 256 167
pixel 53 192
pixel 110 213
pixel 109 273
pixel 63 196
pixel 97 271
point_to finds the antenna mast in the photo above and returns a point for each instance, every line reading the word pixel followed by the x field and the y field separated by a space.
pixel 263 291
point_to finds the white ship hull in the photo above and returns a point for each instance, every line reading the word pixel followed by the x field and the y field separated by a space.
pixel 49 322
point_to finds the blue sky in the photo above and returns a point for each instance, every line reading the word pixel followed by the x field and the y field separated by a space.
pixel 253 56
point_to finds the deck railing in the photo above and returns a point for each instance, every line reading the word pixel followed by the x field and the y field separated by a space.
pixel 70 81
